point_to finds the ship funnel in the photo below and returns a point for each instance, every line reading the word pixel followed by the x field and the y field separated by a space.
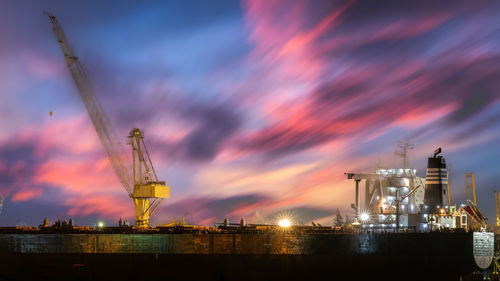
pixel 435 182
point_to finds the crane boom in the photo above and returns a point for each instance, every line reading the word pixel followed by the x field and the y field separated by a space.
pixel 113 147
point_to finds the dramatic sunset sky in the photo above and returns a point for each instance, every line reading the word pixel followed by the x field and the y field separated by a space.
pixel 249 108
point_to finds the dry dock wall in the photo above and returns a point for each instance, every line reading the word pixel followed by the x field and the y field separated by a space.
pixel 273 256
pixel 258 244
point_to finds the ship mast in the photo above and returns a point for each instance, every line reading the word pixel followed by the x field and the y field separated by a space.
pixel 403 153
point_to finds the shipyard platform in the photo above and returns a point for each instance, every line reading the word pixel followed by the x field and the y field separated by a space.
pixel 234 254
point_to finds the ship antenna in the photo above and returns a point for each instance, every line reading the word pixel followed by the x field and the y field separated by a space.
pixel 403 152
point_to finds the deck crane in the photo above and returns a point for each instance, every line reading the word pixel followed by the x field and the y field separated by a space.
pixel 142 185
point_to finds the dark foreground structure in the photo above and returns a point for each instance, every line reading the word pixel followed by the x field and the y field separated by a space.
pixel 237 256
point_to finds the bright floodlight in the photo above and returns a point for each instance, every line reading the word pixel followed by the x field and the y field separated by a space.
pixel 364 217
pixel 100 224
pixel 284 223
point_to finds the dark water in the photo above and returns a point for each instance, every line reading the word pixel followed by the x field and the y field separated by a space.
pixel 231 267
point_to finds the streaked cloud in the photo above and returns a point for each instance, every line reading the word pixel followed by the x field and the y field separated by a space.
pixel 249 109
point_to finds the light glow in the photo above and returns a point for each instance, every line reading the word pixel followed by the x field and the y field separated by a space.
pixel 364 217
pixel 284 223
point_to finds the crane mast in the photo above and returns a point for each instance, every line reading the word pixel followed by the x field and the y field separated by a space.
pixel 148 191
pixel 143 186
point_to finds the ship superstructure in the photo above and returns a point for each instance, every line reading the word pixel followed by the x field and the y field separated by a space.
pixel 393 198
pixel 397 199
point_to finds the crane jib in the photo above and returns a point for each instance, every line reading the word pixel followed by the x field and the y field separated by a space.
pixel 111 144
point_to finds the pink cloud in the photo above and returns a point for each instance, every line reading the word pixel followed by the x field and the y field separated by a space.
pixel 27 194
pixel 106 205
pixel 41 66
pixel 407 28
pixel 77 176
pixel 301 41
pixel 67 156
pixel 79 136
pixel 422 115
pixel 290 47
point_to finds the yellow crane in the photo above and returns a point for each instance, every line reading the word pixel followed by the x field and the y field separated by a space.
pixel 497 204
pixel 142 185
